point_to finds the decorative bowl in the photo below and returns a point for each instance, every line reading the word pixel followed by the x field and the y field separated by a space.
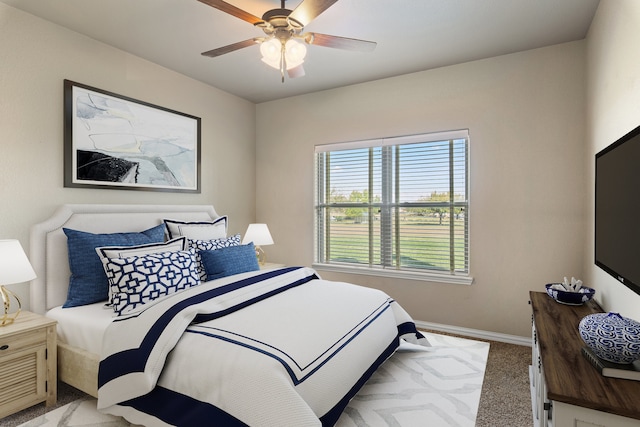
pixel 571 298
pixel 611 337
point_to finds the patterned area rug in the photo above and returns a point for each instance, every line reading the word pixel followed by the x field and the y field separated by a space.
pixel 417 386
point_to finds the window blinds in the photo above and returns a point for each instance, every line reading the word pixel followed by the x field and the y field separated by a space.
pixel 394 203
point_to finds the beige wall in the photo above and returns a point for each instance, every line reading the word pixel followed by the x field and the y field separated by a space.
pixel 531 170
pixel 35 58
pixel 613 71
pixel 525 115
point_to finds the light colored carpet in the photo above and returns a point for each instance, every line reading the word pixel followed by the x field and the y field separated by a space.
pixel 417 386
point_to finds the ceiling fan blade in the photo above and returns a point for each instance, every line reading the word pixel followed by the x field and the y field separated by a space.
pixel 340 42
pixel 230 48
pixel 308 10
pixel 232 10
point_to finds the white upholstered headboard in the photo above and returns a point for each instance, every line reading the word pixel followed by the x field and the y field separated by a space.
pixel 48 244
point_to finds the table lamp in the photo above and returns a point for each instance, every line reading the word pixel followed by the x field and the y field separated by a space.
pixel 14 268
pixel 260 236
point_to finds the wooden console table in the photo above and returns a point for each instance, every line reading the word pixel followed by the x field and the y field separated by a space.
pixel 566 389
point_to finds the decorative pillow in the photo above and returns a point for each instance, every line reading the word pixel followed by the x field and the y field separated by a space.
pixel 141 279
pixel 179 244
pixel 197 230
pixel 196 246
pixel 228 261
pixel 88 282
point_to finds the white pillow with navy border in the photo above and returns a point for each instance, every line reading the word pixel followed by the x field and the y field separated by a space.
pixel 107 252
pixel 197 230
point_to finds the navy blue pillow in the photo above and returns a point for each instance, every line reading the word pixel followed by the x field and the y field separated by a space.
pixel 88 282
pixel 228 261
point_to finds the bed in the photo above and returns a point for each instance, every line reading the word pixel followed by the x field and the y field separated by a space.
pixel 239 347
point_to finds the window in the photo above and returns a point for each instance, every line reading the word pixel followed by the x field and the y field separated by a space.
pixel 394 204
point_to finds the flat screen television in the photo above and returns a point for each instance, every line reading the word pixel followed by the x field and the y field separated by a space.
pixel 617 210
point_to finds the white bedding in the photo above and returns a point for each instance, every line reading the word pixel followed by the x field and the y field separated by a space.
pixel 277 348
pixel 83 326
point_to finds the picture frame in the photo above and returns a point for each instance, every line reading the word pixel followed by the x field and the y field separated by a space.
pixel 120 143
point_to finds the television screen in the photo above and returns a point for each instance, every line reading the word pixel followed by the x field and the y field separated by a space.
pixel 617 210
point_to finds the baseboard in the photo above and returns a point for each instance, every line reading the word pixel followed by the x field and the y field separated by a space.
pixel 475 333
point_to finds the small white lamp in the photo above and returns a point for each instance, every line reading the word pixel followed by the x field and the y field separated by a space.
pixel 14 268
pixel 260 236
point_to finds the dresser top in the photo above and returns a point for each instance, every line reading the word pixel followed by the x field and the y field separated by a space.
pixel 570 378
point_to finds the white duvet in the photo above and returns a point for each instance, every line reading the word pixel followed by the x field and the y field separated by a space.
pixel 276 348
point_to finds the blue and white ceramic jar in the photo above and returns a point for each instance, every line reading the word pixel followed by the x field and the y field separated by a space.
pixel 611 337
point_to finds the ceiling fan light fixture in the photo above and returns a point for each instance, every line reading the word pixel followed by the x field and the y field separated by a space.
pixel 294 53
pixel 294 72
pixel 284 47
pixel 271 51
pixel 271 63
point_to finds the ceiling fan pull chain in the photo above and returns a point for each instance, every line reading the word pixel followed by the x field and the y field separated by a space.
pixel 283 61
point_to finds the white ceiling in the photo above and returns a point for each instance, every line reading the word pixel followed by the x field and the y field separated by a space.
pixel 412 35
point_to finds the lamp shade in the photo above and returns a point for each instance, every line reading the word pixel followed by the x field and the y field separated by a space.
pixel 275 53
pixel 258 234
pixel 271 51
pixel 294 53
pixel 14 264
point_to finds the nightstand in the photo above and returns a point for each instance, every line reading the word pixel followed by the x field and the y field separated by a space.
pixel 270 266
pixel 28 355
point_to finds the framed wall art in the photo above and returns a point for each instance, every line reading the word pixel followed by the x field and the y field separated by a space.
pixel 115 142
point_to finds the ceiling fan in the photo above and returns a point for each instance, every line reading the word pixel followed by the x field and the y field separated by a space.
pixel 283 46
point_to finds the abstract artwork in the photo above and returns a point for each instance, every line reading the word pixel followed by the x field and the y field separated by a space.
pixel 116 142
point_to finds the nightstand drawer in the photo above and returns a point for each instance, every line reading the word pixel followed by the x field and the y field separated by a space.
pixel 23 379
pixel 15 343
pixel 18 377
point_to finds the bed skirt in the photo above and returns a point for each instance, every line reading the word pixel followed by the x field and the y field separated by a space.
pixel 78 368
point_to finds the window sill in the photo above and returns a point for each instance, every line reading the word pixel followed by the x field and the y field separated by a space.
pixel 399 274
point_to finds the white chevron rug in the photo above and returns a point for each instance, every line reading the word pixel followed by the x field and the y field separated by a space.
pixel 417 386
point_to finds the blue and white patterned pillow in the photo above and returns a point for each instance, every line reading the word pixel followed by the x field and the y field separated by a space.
pixel 179 244
pixel 141 279
pixel 195 246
